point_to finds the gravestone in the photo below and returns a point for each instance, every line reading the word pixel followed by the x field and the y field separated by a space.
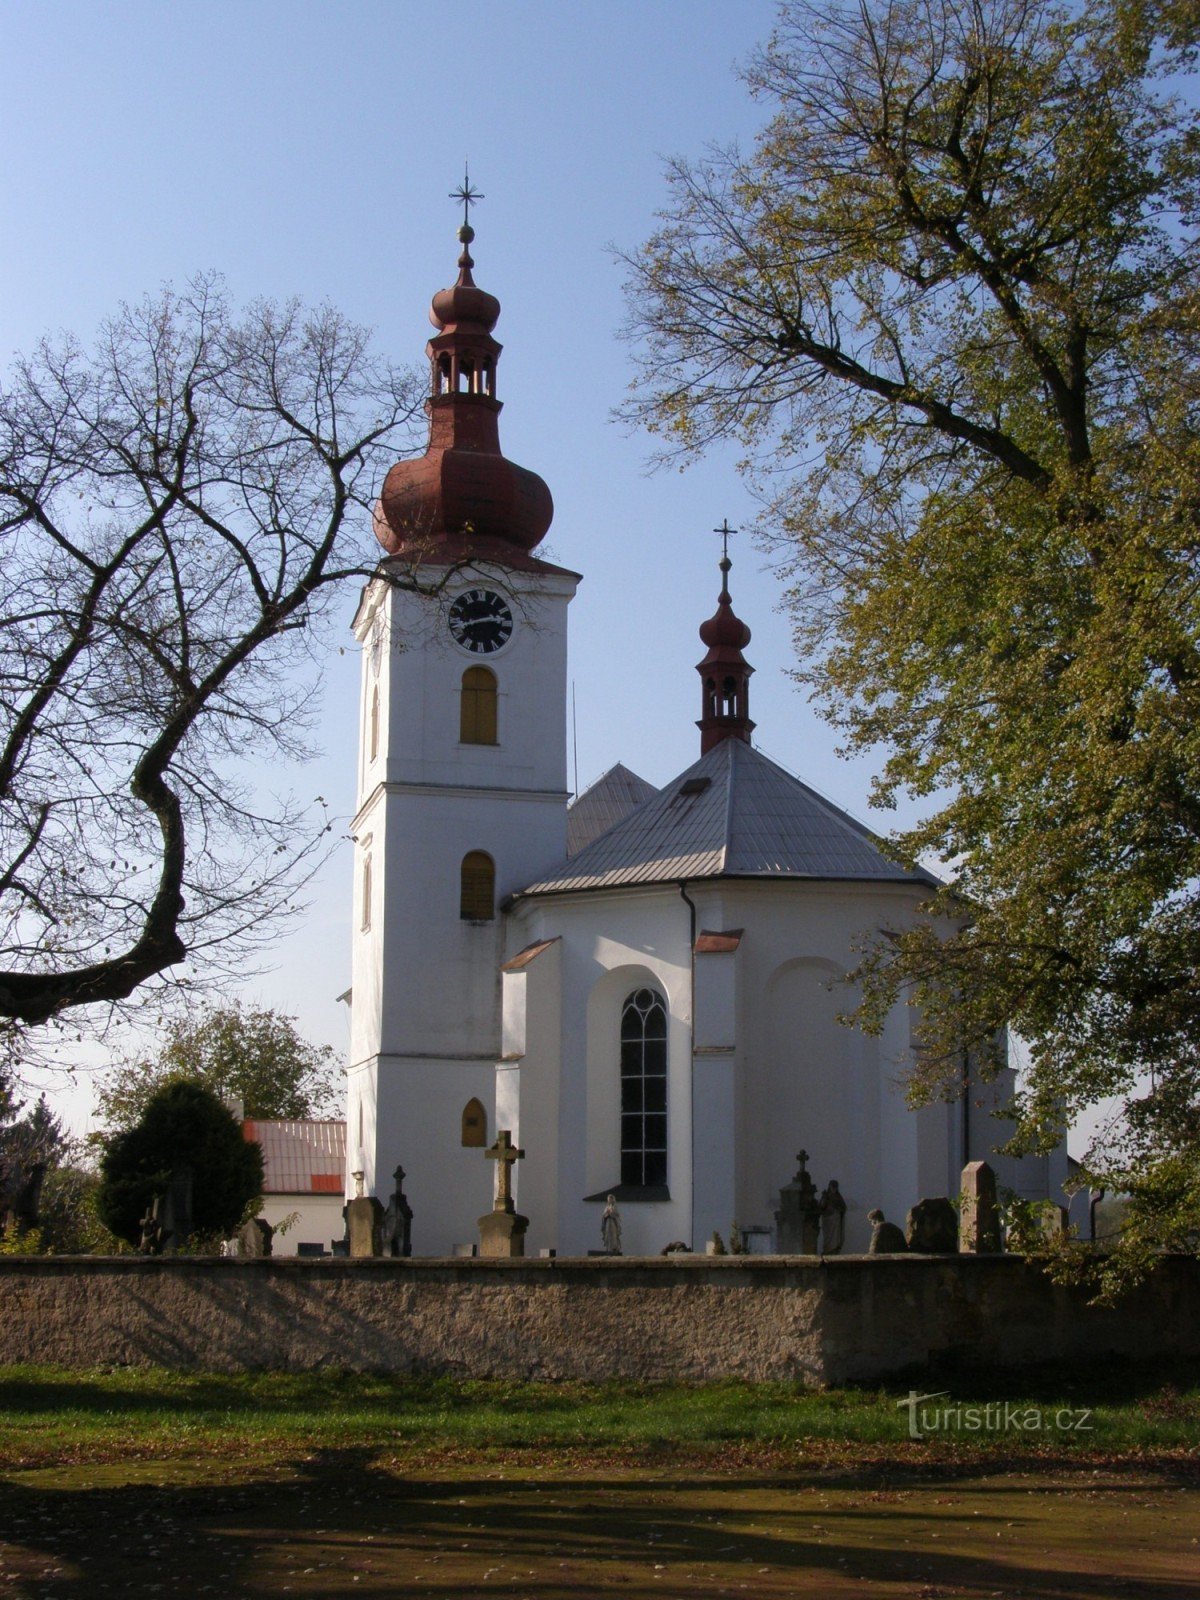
pixel 175 1212
pixel 833 1219
pixel 1051 1220
pixel 502 1229
pixel 979 1219
pixel 799 1214
pixel 397 1220
pixel 254 1238
pixel 933 1227
pixel 886 1237
pixel 151 1225
pixel 364 1216
pixel 610 1228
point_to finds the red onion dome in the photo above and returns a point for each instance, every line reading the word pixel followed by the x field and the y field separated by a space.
pixel 450 493
pixel 464 303
pixel 724 629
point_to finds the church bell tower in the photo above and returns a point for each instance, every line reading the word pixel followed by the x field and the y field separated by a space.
pixel 462 789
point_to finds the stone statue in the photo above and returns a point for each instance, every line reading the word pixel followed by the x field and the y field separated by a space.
pixel 833 1219
pixel 886 1238
pixel 799 1214
pixel 610 1227
pixel 151 1241
pixel 397 1221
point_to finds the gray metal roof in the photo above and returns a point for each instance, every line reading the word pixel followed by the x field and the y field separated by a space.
pixel 733 814
pixel 610 798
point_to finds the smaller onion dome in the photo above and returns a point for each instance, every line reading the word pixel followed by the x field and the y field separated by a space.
pixel 464 304
pixel 724 673
pixel 724 629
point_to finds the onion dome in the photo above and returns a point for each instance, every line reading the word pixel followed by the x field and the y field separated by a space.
pixel 724 672
pixel 463 497
pixel 725 630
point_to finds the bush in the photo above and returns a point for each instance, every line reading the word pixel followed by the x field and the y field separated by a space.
pixel 184 1124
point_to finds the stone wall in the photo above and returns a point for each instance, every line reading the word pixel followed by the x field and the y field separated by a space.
pixel 688 1319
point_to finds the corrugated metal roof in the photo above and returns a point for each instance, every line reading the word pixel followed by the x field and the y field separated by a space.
pixel 299 1157
pixel 610 798
pixel 733 814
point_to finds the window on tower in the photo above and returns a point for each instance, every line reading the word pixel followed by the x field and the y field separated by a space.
pixel 477 895
pixel 374 722
pixel 477 713
pixel 644 1089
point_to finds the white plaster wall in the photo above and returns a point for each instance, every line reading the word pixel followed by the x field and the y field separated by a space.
pixel 528 1090
pixel 419 1127
pixel 320 1220
pixel 425 1023
pixel 645 941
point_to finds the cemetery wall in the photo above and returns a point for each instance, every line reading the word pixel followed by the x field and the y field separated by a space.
pixel 687 1319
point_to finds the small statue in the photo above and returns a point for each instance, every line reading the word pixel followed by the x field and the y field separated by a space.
pixel 886 1238
pixel 610 1228
pixel 833 1219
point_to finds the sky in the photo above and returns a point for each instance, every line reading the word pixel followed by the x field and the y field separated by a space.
pixel 309 149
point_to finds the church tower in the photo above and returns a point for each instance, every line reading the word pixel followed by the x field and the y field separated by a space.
pixel 462 792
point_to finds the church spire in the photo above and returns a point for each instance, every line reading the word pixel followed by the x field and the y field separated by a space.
pixel 724 672
pixel 463 498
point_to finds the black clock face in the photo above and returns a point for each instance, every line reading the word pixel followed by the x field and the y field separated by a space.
pixel 480 621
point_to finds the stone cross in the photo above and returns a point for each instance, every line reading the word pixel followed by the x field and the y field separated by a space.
pixel 504 1153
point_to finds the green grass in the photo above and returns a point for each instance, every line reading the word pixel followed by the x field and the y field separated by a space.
pixel 50 1413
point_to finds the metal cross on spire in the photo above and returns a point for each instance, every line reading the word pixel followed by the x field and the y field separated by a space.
pixel 467 195
pixel 724 530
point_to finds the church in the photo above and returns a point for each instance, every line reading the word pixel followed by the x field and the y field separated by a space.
pixel 643 987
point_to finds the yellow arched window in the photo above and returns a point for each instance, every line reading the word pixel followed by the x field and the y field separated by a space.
pixel 477 899
pixel 474 1125
pixel 477 724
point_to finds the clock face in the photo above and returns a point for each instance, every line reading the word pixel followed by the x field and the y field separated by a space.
pixel 480 621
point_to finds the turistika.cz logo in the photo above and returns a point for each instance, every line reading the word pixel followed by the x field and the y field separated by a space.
pixel 996 1416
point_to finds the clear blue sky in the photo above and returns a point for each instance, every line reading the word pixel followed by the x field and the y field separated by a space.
pixel 308 149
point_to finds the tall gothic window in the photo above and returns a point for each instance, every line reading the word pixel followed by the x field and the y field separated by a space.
pixel 477 713
pixel 644 1089
pixel 477 893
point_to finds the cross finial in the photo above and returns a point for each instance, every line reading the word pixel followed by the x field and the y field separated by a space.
pixel 725 530
pixel 469 197
pixel 802 1157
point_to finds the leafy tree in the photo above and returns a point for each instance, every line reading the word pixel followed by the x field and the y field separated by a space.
pixel 252 1055
pixel 176 510
pixel 184 1124
pixel 950 306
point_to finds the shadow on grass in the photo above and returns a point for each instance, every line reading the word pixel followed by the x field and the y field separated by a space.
pixel 339 1521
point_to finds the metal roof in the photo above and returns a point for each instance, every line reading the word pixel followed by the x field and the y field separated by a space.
pixel 610 798
pixel 735 813
pixel 300 1157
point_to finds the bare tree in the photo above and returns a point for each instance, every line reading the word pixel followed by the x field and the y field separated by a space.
pixel 176 510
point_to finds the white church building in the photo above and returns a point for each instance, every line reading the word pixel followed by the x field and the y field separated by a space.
pixel 644 987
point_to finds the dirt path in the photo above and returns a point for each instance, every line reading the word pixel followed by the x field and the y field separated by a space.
pixel 345 1523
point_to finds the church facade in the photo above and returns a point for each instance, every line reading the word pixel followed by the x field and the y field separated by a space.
pixel 643 988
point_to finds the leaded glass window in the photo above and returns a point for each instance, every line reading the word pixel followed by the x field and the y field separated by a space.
pixel 644 1089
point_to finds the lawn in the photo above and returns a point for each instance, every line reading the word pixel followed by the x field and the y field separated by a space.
pixel 326 1484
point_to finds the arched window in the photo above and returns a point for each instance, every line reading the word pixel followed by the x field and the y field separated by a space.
pixel 477 715
pixel 474 1125
pixel 644 1088
pixel 477 898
